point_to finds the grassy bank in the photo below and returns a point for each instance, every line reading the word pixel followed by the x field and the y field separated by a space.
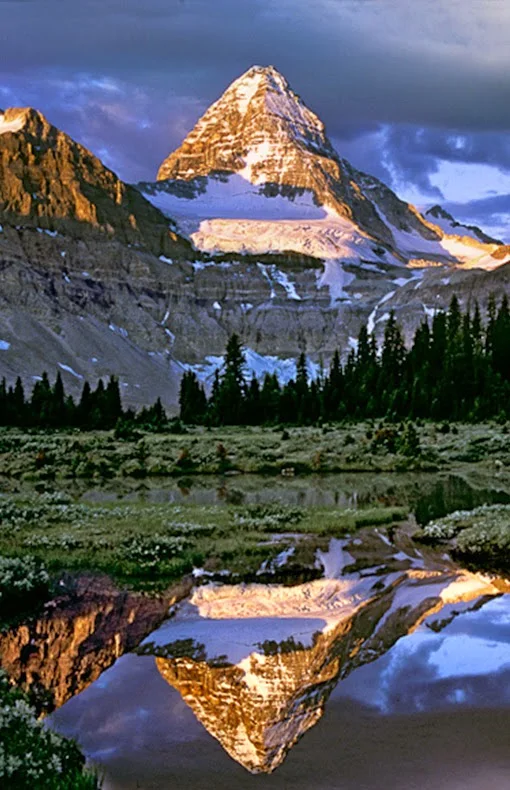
pixel 152 545
pixel 39 455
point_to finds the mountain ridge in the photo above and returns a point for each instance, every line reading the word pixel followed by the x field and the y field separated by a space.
pixel 96 280
pixel 49 180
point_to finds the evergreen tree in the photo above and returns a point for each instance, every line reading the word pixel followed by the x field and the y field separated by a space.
pixel 192 399
pixel 231 395
pixel 270 396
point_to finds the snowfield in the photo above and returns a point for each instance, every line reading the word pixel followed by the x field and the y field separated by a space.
pixel 256 364
pixel 13 125
pixel 233 215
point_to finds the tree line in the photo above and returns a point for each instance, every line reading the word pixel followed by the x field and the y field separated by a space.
pixel 457 368
pixel 48 406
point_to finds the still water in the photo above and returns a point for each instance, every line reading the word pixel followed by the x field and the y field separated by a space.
pixel 391 671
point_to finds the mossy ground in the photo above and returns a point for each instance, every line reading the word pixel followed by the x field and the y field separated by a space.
pixel 34 456
pixel 151 545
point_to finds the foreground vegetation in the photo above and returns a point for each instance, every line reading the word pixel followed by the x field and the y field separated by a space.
pixel 152 545
pixel 480 537
pixel 100 456
pixel 32 755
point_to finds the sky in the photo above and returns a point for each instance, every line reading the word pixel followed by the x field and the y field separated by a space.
pixel 416 92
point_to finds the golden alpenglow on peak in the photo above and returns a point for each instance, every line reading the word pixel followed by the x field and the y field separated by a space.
pixel 257 664
pixel 49 180
pixel 262 133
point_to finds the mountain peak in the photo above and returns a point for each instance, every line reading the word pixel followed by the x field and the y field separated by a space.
pixel 258 128
pixel 13 119
pixel 265 78
pixel 439 212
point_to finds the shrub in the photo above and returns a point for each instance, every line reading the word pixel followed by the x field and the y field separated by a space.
pixel 125 430
pixel 31 755
pixel 385 438
pixel 409 441
pixel 23 582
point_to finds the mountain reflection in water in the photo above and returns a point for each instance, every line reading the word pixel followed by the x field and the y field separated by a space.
pixel 257 663
pixel 79 636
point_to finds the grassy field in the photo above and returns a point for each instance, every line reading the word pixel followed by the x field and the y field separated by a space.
pixel 42 456
pixel 150 546
pixel 42 476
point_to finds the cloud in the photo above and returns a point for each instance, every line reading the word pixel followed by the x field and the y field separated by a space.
pixel 402 87
pixel 491 214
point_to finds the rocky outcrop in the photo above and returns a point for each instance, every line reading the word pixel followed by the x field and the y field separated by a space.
pixel 81 634
pixel 47 180
pixel 93 307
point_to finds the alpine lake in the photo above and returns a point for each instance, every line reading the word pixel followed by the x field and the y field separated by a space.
pixel 346 630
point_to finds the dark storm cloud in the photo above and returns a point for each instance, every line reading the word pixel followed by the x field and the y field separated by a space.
pixel 489 213
pixel 347 58
pixel 390 78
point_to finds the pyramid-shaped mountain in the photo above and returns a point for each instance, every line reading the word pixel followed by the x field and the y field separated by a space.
pixel 259 154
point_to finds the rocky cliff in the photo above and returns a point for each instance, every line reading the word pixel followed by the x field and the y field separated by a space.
pixel 280 240
pixel 48 180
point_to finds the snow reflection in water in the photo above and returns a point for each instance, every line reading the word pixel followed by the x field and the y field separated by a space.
pixel 400 626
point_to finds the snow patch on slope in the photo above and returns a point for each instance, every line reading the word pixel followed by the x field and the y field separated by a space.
pixel 272 275
pixel 467 250
pixel 12 125
pixel 336 279
pixel 256 364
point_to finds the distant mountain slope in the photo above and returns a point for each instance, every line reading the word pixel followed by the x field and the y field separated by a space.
pixel 439 216
pixel 95 280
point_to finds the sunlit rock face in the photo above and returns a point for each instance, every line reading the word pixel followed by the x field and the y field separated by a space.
pixel 50 181
pixel 79 637
pixel 257 690
pixel 259 159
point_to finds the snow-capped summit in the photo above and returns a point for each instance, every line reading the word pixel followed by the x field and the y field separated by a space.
pixel 258 174
pixel 257 124
pixel 261 133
